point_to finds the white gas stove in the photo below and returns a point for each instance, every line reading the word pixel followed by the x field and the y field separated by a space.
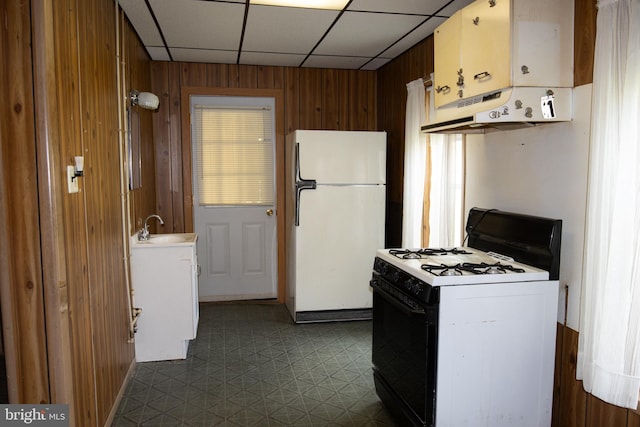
pixel 466 335
pixel 460 266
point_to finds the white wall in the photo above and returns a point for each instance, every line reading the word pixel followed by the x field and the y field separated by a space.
pixel 539 171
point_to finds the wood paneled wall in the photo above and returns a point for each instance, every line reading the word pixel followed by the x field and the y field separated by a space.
pixel 573 407
pixel 136 75
pixel 584 41
pixel 88 107
pixel 65 143
pixel 63 271
pixel 313 98
pixel 21 284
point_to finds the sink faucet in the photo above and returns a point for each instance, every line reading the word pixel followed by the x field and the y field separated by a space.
pixel 143 233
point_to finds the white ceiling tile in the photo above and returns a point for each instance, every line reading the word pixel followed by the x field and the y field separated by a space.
pixel 204 55
pixel 142 21
pixel 413 38
pixel 375 64
pixel 285 29
pixel 346 62
pixel 276 59
pixel 158 53
pixel 200 24
pixel 421 7
pixel 366 34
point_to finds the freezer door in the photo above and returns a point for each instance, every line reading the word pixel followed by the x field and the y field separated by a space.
pixel 342 157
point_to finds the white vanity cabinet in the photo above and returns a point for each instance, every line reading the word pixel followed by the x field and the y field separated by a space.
pixel 165 286
pixel 491 45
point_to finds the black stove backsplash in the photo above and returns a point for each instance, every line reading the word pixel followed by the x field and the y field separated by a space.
pixel 528 239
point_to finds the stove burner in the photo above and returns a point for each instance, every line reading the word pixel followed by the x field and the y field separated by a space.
pixel 451 272
pixel 458 269
pixel 442 269
pixel 405 253
pixel 425 252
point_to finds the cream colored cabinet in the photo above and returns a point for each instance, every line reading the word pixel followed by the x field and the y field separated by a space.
pixel 495 44
pixel 164 272
pixel 447 40
pixel 486 43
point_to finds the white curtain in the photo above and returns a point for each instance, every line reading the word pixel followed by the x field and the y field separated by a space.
pixel 414 165
pixel 609 340
pixel 445 214
pixel 447 187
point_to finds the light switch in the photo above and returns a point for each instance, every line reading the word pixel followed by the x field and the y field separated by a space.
pixel 72 181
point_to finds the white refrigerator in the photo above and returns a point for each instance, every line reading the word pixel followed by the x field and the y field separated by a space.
pixel 335 216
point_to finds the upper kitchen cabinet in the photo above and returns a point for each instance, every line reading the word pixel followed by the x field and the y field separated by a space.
pixel 447 71
pixel 494 44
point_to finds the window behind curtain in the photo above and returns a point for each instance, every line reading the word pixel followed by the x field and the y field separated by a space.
pixel 235 155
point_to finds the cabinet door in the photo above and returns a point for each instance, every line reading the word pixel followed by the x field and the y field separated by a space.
pixel 486 47
pixel 447 60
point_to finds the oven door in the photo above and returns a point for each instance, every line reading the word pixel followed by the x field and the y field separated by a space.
pixel 404 352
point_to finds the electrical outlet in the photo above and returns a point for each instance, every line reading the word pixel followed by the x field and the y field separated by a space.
pixel 72 181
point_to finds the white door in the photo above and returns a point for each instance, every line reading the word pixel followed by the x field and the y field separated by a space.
pixel 233 146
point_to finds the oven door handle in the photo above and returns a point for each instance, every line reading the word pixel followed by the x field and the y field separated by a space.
pixel 394 301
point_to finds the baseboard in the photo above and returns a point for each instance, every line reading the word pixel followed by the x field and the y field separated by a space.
pixel 123 387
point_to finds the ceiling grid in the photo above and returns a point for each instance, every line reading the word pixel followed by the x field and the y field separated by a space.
pixel 361 34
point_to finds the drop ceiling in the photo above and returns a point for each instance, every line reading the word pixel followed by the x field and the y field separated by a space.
pixel 364 34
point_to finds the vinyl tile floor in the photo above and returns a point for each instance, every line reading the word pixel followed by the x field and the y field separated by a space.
pixel 250 365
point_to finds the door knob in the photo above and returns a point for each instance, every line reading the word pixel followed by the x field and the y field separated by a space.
pixel 269 212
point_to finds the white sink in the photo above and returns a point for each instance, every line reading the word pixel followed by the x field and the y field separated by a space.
pixel 164 273
pixel 167 239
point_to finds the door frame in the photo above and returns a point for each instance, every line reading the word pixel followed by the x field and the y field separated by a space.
pixel 187 177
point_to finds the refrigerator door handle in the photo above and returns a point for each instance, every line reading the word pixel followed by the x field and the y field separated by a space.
pixel 301 184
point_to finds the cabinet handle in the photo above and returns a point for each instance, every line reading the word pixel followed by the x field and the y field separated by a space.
pixel 492 3
pixel 460 93
pixel 460 81
pixel 481 76
pixel 476 20
pixel 444 89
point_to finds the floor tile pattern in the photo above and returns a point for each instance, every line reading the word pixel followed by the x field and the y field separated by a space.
pixel 251 366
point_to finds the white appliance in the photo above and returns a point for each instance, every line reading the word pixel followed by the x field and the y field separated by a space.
pixel 466 336
pixel 335 222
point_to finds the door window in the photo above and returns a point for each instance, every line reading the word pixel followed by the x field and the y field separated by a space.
pixel 234 151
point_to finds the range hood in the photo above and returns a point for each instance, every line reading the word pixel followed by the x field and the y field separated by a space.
pixel 511 108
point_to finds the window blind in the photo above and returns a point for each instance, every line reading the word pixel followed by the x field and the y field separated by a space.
pixel 235 155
